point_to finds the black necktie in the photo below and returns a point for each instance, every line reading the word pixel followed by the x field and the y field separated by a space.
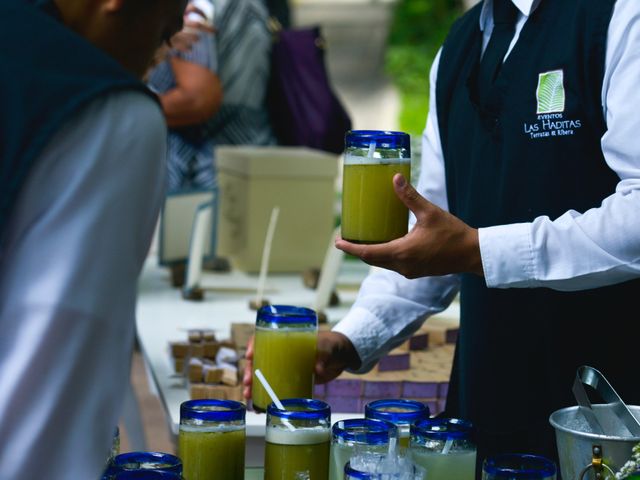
pixel 505 15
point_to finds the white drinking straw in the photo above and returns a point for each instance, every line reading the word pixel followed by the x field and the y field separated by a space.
pixel 274 397
pixel 447 446
pixel 266 253
pixel 328 274
pixel 372 149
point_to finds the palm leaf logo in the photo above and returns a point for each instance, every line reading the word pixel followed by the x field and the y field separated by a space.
pixel 550 92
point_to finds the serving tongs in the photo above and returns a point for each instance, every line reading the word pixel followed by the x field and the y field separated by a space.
pixel 613 418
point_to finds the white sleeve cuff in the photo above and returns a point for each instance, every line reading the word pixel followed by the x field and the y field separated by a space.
pixel 507 255
pixel 367 340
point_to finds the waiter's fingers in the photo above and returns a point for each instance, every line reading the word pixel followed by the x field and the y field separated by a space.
pixel 410 197
pixel 379 255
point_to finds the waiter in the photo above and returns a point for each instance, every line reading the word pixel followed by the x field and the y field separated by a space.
pixel 531 168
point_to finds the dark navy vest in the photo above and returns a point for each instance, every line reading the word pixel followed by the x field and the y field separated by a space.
pixel 531 148
pixel 47 74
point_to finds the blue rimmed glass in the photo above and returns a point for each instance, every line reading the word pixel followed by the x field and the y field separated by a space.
pixel 143 461
pixel 444 447
pixel 147 475
pixel 371 210
pixel 399 142
pixel 297 440
pixel 211 441
pixel 518 467
pixel 402 413
pixel 379 469
pixel 358 435
pixel 285 352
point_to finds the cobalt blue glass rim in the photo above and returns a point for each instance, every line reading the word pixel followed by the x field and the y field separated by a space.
pixel 520 466
pixel 313 409
pixel 211 410
pixel 364 430
pixel 350 472
pixel 286 315
pixel 146 475
pixel 414 410
pixel 442 429
pixel 382 138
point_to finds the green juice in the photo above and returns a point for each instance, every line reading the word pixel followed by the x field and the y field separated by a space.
pixel 212 454
pixel 301 454
pixel 287 358
pixel 371 211
pixel 453 466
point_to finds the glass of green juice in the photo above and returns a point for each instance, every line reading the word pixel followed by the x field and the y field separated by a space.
pixel 371 211
pixel 402 413
pixel 211 441
pixel 284 350
pixel 297 440
pixel 357 436
pixel 443 447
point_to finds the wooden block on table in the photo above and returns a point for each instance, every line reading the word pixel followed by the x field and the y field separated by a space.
pixel 210 349
pixel 228 344
pixel 241 333
pixel 235 393
pixel 208 335
pixel 230 376
pixel 451 335
pixel 376 390
pixel 319 390
pixel 412 389
pixel 343 404
pixel 178 365
pixel 344 387
pixel 196 350
pixel 195 370
pixel 212 374
pixel 179 349
pixel 395 361
pixel 216 392
pixel 198 391
pixel 443 389
pixel 242 365
pixel 419 342
pixel 195 336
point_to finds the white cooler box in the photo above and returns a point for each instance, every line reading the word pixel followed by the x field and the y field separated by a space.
pixel 253 180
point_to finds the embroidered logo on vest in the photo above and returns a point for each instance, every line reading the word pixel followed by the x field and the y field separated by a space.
pixel 550 92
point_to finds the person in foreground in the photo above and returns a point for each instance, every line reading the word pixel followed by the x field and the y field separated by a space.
pixel 82 147
pixel 527 204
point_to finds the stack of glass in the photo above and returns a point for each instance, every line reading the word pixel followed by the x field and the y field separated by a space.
pixel 358 436
pixel 443 447
pixel 402 413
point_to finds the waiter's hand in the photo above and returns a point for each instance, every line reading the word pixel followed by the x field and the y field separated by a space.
pixel 438 244
pixel 335 353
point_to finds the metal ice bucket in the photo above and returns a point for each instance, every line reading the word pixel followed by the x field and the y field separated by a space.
pixel 584 454
pixel 595 441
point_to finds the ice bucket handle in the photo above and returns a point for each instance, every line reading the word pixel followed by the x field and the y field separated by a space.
pixel 598 466
pixel 590 376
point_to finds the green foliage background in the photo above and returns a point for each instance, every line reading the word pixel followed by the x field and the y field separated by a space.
pixel 419 28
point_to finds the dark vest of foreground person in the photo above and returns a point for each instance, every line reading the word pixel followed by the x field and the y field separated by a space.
pixel 531 147
pixel 48 73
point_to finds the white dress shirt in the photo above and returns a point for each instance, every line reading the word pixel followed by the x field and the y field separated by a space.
pixel 76 243
pixel 576 251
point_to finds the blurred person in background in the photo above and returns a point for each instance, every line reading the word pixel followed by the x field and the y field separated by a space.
pixel 82 143
pixel 244 57
pixel 190 93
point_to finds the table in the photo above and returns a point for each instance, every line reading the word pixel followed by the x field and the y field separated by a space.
pixel 163 316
